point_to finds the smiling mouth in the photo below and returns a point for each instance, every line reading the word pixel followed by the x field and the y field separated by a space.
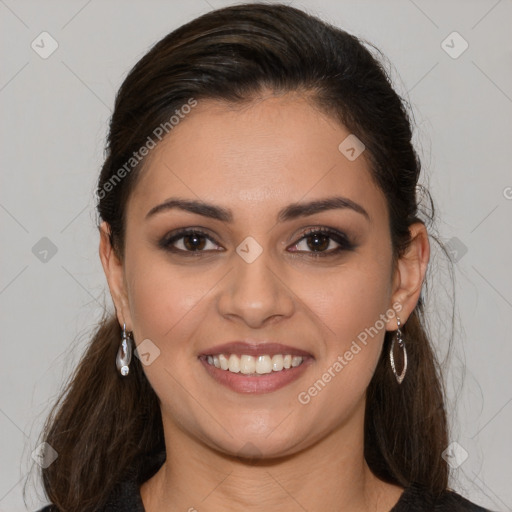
pixel 254 365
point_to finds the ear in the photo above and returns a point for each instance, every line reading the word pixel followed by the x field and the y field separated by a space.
pixel 409 275
pixel 114 272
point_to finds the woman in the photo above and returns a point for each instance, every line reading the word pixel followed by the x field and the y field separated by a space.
pixel 261 239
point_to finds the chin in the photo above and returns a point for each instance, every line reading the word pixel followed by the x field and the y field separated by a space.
pixel 253 448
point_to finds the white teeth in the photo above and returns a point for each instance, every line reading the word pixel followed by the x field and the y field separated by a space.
pixel 277 363
pixel 247 365
pixel 224 363
pixel 263 364
pixel 234 364
pixel 254 364
pixel 296 360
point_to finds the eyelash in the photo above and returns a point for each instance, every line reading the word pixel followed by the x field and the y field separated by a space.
pixel 340 238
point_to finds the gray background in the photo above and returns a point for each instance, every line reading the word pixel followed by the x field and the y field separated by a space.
pixel 54 118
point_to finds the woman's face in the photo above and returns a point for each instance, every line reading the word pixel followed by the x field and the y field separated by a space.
pixel 251 275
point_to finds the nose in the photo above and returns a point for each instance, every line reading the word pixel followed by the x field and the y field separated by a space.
pixel 255 293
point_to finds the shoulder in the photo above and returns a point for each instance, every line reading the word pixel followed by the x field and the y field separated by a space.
pixel 418 498
pixel 450 500
pixel 125 496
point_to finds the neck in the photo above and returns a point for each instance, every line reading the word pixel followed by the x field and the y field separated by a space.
pixel 331 474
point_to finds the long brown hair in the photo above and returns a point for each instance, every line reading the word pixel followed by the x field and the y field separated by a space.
pixel 103 423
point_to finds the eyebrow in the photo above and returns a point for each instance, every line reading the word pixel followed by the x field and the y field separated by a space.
pixel 290 212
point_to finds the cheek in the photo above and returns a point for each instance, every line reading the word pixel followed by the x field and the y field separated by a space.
pixel 165 300
pixel 352 306
pixel 349 302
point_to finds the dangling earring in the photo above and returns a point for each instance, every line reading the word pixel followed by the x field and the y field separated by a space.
pixel 401 344
pixel 124 354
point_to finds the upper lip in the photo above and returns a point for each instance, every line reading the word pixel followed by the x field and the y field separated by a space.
pixel 254 349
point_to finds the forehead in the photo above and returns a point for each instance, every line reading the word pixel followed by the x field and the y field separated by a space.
pixel 270 152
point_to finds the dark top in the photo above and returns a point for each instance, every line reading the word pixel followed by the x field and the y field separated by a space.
pixel 415 498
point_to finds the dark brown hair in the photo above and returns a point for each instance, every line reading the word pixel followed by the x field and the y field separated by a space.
pixel 103 423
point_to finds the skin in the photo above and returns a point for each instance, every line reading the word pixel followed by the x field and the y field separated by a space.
pixel 255 160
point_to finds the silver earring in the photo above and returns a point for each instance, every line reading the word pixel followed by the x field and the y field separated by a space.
pixel 401 344
pixel 124 354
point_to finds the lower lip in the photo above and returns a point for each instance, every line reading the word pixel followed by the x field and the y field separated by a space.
pixel 265 383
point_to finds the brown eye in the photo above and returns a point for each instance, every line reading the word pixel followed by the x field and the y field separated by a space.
pixel 194 242
pixel 323 242
pixel 188 241
pixel 318 242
